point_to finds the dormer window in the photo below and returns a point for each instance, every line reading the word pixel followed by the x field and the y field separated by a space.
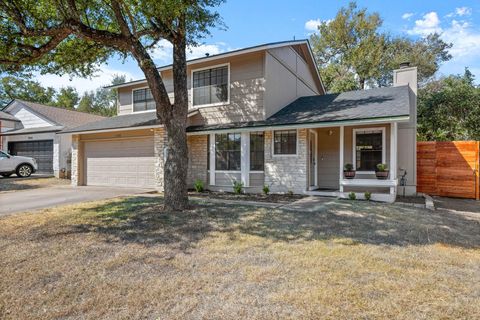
pixel 210 86
pixel 143 100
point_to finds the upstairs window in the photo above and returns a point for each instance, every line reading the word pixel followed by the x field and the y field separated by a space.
pixel 285 142
pixel 143 100
pixel 369 148
pixel 210 86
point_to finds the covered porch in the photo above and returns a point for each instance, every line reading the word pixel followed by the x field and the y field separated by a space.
pixel 362 146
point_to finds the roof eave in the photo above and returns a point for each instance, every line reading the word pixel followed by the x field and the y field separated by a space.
pixel 228 54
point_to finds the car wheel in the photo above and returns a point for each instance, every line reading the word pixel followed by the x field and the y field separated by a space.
pixel 25 170
pixel 6 175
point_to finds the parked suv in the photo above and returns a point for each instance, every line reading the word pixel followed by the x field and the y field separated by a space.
pixel 22 166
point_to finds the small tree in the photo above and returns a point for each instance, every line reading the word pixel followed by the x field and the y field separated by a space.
pixel 75 36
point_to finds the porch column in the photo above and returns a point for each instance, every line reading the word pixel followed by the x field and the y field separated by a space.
pixel 245 158
pixel 212 159
pixel 342 151
pixel 393 154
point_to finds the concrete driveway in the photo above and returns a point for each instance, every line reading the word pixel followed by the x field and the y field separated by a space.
pixel 40 198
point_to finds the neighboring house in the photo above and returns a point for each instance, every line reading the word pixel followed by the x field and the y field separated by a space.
pixel 29 129
pixel 259 115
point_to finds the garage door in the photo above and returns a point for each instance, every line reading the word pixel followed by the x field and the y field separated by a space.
pixel 42 151
pixel 122 163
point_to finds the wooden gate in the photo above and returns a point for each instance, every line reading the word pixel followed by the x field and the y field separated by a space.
pixel 449 169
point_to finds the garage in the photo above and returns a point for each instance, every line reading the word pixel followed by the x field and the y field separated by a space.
pixel 41 150
pixel 121 163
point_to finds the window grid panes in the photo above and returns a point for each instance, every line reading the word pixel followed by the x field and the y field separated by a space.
pixel 227 151
pixel 285 142
pixel 143 100
pixel 368 149
pixel 210 86
pixel 256 151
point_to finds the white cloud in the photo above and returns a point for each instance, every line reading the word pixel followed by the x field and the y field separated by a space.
pixel 407 15
pixel 162 53
pixel 101 78
pixel 312 25
pixel 429 24
pixel 465 40
pixel 463 11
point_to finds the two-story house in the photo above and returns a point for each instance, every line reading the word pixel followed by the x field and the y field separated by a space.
pixel 261 116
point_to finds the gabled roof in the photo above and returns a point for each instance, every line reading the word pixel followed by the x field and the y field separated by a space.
pixel 360 105
pixel 7 116
pixel 56 115
pixel 353 106
pixel 265 46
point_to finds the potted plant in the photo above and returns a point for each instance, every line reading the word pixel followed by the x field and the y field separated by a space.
pixel 348 171
pixel 382 171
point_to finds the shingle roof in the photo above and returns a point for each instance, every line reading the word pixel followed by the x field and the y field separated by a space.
pixel 125 121
pixel 61 116
pixel 353 105
pixel 32 130
pixel 348 106
pixel 7 116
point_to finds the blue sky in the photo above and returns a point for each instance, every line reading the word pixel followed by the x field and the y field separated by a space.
pixel 252 22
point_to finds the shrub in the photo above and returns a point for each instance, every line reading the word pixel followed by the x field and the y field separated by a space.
pixel 352 196
pixel 382 167
pixel 266 189
pixel 348 167
pixel 290 192
pixel 198 185
pixel 368 195
pixel 237 187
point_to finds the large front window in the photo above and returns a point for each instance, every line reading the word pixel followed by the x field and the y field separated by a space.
pixel 256 151
pixel 228 151
pixel 210 86
pixel 368 149
pixel 143 100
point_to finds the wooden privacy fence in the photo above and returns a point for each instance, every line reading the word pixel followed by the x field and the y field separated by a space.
pixel 449 169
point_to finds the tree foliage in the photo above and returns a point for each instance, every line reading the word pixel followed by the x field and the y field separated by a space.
pixel 67 98
pixel 353 51
pixel 12 87
pixel 76 36
pixel 449 109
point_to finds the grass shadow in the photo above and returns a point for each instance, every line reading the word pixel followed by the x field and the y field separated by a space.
pixel 142 220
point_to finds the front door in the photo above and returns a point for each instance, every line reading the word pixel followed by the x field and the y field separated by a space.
pixel 312 150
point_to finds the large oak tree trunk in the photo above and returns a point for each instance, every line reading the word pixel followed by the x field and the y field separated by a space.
pixel 174 119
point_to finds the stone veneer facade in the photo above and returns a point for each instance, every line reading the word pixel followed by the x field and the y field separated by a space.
pixel 159 145
pixel 197 160
pixel 75 159
pixel 284 173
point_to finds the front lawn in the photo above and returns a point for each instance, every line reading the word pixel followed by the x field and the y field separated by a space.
pixel 14 183
pixel 126 259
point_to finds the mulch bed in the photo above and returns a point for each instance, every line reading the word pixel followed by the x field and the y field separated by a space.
pixel 411 199
pixel 274 198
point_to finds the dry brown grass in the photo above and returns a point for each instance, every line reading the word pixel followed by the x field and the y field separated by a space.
pixel 13 183
pixel 125 259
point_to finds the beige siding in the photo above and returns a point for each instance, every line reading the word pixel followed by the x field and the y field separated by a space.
pixel 246 91
pixel 287 77
pixel 125 98
pixel 226 179
pixel 328 162
pixel 257 179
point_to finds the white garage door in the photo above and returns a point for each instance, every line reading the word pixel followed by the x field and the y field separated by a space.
pixel 122 163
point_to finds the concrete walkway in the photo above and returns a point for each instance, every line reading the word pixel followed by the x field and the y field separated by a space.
pixel 40 198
